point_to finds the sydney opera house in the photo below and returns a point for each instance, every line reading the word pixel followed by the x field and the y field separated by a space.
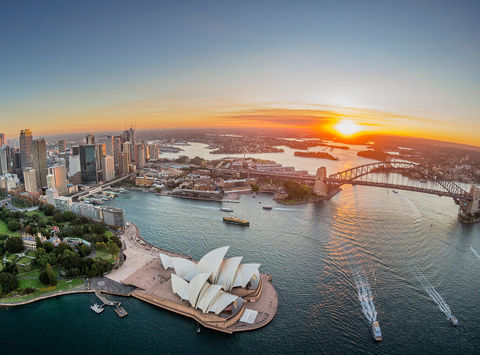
pixel 218 292
pixel 208 284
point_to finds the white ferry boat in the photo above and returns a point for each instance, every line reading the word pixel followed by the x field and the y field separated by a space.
pixel 96 308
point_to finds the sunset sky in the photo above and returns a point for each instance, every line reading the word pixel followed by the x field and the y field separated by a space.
pixel 402 67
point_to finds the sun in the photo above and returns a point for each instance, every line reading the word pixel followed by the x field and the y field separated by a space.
pixel 347 128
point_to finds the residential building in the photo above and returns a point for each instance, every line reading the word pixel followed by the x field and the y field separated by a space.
pixel 113 216
pixel 26 148
pixel 108 141
pixel 52 194
pixel 63 203
pixel 39 161
pixel 139 155
pixel 9 182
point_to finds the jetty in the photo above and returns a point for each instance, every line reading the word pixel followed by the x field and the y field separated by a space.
pixel 121 312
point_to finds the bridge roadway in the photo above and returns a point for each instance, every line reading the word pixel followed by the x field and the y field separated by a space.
pixel 97 188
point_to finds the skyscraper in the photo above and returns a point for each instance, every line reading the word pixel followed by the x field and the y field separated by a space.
pixel 2 139
pixel 62 146
pixel 140 155
pixel 90 139
pixel 5 159
pixel 108 168
pixel 123 165
pixel 26 148
pixel 154 151
pixel 127 148
pixel 88 165
pixel 39 161
pixel 117 149
pixel 30 180
pixel 108 141
pixel 59 173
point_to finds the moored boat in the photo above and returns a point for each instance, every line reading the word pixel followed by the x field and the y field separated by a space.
pixel 267 207
pixel 224 209
pixel 236 220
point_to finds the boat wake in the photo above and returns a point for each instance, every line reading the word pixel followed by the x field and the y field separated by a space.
pixel 365 295
pixel 474 252
pixel 434 295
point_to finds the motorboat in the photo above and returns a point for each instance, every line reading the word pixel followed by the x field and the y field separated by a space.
pixel 224 209
pixel 96 308
pixel 453 320
pixel 267 207
pixel 376 332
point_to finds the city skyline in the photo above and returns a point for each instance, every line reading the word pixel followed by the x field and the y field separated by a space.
pixel 397 68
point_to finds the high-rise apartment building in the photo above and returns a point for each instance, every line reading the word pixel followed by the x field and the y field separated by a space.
pixel 123 165
pixel 62 146
pixel 108 168
pixel 30 179
pixel 140 155
pixel 154 151
pixel 88 164
pixel 26 148
pixel 59 173
pixel 127 148
pixel 117 149
pixel 39 161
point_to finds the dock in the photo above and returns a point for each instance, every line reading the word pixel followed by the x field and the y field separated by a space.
pixel 121 312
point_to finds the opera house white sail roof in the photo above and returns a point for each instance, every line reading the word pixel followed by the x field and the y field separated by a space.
pixel 204 284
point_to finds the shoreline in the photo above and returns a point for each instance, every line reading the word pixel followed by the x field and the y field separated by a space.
pixel 134 279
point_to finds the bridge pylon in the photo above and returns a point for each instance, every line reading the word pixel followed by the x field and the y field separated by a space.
pixel 320 188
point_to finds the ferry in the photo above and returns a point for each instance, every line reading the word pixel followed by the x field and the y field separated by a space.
pixel 453 320
pixel 224 209
pixel 377 333
pixel 267 207
pixel 96 308
pixel 237 221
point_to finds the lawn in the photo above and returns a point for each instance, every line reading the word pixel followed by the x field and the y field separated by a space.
pixel 4 230
pixel 25 261
pixel 63 285
pixel 36 273
pixel 31 253
pixel 109 234
pixel 39 213
pixel 105 255
pixel 12 257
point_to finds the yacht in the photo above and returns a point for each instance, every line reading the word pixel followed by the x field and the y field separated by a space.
pixel 96 308
pixel 224 209
pixel 377 333
pixel 453 320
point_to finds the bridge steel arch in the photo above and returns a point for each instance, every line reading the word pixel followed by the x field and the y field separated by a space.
pixel 443 187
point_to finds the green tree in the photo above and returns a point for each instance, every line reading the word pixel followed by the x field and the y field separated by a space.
pixel 13 225
pixel 9 282
pixel 14 244
pixel 255 188
pixel 52 279
pixel 113 248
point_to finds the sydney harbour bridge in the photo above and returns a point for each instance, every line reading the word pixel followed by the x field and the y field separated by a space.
pixel 397 175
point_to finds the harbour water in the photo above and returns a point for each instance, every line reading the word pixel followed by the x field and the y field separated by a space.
pixel 336 265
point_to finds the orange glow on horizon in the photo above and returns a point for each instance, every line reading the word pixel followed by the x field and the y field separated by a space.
pixel 347 128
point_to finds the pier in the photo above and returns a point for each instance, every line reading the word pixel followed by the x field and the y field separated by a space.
pixel 121 312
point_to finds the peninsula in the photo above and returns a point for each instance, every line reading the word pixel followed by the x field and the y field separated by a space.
pixel 319 155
